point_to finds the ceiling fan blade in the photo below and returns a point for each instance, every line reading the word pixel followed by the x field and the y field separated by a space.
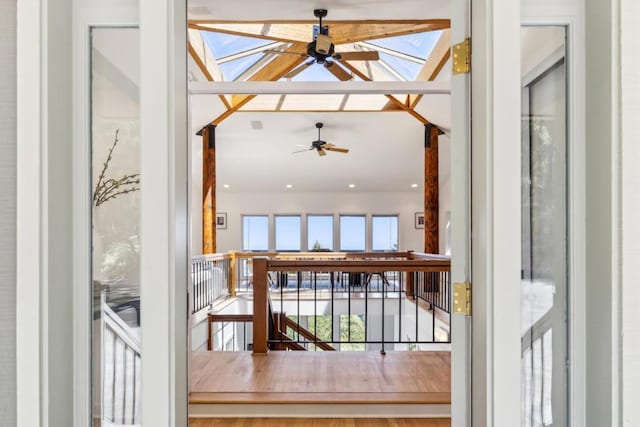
pixel 337 71
pixel 298 70
pixel 283 52
pixel 370 55
pixel 321 152
pixel 302 151
pixel 336 149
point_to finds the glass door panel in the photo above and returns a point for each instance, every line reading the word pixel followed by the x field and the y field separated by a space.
pixel 544 227
pixel 115 147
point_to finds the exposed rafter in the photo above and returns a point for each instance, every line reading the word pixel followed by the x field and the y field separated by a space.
pixel 205 71
pixel 341 32
pixel 439 56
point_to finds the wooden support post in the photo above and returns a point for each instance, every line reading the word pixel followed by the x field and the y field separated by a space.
pixel 431 193
pixel 209 189
pixel 409 277
pixel 260 307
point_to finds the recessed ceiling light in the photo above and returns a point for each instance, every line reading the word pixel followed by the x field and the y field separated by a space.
pixel 226 186
pixel 289 186
pixel 352 186
pixel 414 185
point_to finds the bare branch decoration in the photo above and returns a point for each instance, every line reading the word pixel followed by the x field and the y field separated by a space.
pixel 107 189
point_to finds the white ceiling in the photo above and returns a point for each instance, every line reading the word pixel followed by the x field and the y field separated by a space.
pixel 249 10
pixel 386 149
pixel 385 155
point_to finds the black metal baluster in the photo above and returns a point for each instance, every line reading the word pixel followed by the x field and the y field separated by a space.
pixel 382 301
pixel 401 282
pixel 315 311
pixel 415 299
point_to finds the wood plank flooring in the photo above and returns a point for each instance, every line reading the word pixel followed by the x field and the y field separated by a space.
pixel 320 422
pixel 317 377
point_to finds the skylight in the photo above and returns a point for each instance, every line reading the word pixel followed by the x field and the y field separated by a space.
pixel 419 45
pixel 250 51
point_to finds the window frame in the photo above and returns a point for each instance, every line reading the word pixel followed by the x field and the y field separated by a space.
pixel 275 232
pixel 366 237
pixel 397 217
pixel 242 229
pixel 333 230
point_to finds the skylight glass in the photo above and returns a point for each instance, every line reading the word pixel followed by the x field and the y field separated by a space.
pixel 232 69
pixel 222 44
pixel 315 73
pixel 407 69
pixel 419 44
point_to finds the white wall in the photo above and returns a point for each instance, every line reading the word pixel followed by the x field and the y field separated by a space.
pixel 630 156
pixel 8 212
pixel 406 204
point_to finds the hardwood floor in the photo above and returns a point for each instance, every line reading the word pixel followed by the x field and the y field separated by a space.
pixel 320 422
pixel 329 377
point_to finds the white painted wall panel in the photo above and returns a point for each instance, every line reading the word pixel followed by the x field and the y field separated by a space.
pixel 8 212
pixel 630 156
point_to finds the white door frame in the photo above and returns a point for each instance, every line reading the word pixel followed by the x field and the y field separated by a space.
pixel 496 26
pixel 495 205
pixel 570 14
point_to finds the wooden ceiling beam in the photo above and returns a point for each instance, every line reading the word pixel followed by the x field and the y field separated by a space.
pixel 353 33
pixel 439 56
pixel 341 32
pixel 391 98
pixel 289 33
pixel 205 71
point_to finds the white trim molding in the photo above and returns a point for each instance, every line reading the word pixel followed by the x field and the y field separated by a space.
pixel 164 212
pixel 496 212
pixel 29 269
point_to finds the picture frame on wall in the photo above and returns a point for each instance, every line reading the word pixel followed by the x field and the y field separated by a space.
pixel 221 220
pixel 419 219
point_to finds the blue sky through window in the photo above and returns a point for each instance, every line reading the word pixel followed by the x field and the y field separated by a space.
pixel 352 233
pixel 320 231
pixel 255 233
pixel 385 233
pixel 287 233
pixel 222 45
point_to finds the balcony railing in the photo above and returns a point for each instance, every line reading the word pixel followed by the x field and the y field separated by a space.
pixel 352 301
pixel 380 293
pixel 211 276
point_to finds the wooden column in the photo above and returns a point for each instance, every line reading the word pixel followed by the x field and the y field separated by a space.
pixel 260 306
pixel 431 193
pixel 209 189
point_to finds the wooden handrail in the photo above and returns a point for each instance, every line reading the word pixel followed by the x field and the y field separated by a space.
pixel 369 266
pixel 313 338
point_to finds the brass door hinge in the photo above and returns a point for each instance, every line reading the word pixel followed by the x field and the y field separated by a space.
pixel 462 57
pixel 462 298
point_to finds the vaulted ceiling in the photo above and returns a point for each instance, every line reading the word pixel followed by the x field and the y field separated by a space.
pixel 256 135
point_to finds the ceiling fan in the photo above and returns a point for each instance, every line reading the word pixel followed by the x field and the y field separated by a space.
pixel 322 51
pixel 320 146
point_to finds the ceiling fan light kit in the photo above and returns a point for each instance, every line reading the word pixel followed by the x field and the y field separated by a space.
pixel 322 51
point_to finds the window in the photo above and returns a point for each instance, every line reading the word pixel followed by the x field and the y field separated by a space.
pixel 384 233
pixel 320 232
pixel 352 232
pixel 255 232
pixel 288 233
